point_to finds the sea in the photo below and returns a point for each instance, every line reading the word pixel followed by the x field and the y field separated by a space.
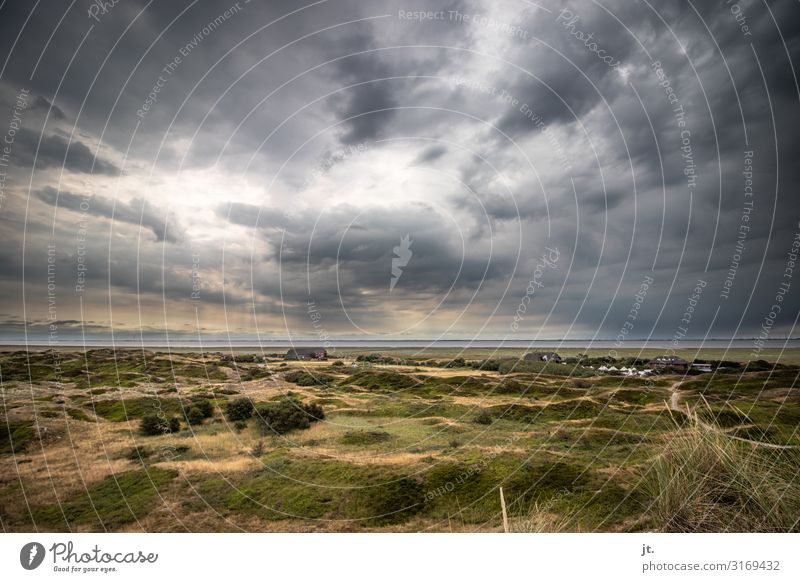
pixel 218 343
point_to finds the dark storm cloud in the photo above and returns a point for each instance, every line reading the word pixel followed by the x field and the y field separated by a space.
pixel 53 151
pixel 430 154
pixel 564 81
pixel 137 212
pixel 369 106
pixel 253 216
pixel 358 250
pixel 631 206
pixel 18 326
pixel 44 106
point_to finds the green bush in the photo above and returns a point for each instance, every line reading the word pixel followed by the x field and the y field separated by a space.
pixel 483 417
pixel 138 453
pixel 287 415
pixel 488 365
pixel 195 416
pixel 153 425
pixel 456 363
pixel 381 359
pixel 204 406
pixel 303 378
pixel 239 409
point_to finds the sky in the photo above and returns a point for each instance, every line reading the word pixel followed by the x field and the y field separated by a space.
pixel 399 170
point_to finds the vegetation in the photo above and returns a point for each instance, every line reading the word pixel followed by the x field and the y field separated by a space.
pixel 239 409
pixel 15 436
pixel 304 378
pixel 483 417
pixel 115 501
pixel 407 442
pixel 195 416
pixel 365 437
pixel 154 425
pixel 707 482
pixel 287 415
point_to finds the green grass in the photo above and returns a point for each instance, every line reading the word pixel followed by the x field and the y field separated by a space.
pixel 553 412
pixel 365 437
pixel 312 489
pixel 78 414
pixel 401 449
pixel 109 504
pixel 289 488
pixel 132 408
pixel 640 397
pixel 470 490
pixel 408 408
pixel 97 368
pixel 15 436
pixel 542 368
pixel 725 386
pixel 384 380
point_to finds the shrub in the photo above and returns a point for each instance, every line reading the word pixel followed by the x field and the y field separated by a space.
pixel 455 363
pixel 303 378
pixel 483 417
pixel 195 416
pixel 381 359
pixel 239 409
pixel 153 425
pixel 204 406
pixel 282 417
pixel 138 453
pixel 488 365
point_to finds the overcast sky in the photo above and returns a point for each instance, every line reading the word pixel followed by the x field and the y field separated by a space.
pixel 215 168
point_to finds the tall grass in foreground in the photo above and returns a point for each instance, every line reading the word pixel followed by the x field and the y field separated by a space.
pixel 705 481
pixel 702 481
pixel 540 518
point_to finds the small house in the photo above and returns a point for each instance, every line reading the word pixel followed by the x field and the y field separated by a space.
pixel 306 354
pixel 668 363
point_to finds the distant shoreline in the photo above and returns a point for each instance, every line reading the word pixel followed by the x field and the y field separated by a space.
pixel 783 351
pixel 746 343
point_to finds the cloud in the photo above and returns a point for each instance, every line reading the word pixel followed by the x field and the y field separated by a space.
pixel 42 105
pixel 137 212
pixel 602 178
pixel 430 154
pixel 53 151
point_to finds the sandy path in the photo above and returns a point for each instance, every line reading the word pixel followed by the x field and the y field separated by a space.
pixel 674 404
